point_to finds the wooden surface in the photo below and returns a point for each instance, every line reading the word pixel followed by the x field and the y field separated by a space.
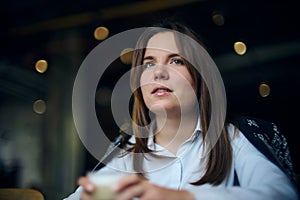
pixel 20 194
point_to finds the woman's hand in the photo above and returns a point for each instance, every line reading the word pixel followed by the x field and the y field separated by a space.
pixel 88 188
pixel 134 186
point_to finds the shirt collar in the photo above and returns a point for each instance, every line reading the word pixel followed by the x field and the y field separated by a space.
pixel 153 146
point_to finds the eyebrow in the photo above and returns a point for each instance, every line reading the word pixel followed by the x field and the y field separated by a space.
pixel 169 56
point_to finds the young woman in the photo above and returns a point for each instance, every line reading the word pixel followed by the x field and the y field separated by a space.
pixel 182 146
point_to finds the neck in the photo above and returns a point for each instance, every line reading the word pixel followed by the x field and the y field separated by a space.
pixel 173 131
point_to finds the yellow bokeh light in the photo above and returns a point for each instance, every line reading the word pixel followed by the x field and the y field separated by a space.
pixel 39 106
pixel 101 33
pixel 264 90
pixel 41 66
pixel 126 56
pixel 240 48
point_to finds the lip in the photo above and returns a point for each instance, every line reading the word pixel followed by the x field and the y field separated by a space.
pixel 161 93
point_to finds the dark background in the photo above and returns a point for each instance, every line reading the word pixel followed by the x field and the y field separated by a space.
pixel 45 152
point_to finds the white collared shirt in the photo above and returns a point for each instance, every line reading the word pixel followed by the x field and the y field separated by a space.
pixel 259 178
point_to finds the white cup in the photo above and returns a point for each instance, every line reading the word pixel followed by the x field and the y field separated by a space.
pixel 104 185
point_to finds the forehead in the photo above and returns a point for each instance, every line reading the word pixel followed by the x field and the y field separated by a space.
pixel 164 41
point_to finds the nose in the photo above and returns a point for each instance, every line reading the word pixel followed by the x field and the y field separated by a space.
pixel 161 73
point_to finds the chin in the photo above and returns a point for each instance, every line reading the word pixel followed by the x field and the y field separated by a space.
pixel 160 109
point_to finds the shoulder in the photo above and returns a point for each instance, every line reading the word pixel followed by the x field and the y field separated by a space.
pixel 266 137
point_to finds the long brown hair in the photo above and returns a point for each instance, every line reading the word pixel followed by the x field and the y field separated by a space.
pixel 219 156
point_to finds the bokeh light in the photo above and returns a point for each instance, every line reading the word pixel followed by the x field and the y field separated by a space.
pixel 264 90
pixel 101 33
pixel 126 56
pixel 41 66
pixel 240 48
pixel 103 96
pixel 218 18
pixel 39 106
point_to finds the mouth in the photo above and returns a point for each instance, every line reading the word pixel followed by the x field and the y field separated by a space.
pixel 161 90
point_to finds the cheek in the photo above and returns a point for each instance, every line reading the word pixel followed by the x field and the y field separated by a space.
pixel 144 84
pixel 146 95
pixel 186 79
pixel 187 89
pixel 145 91
pixel 145 79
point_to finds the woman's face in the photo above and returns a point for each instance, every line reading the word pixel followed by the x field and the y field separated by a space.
pixel 166 83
